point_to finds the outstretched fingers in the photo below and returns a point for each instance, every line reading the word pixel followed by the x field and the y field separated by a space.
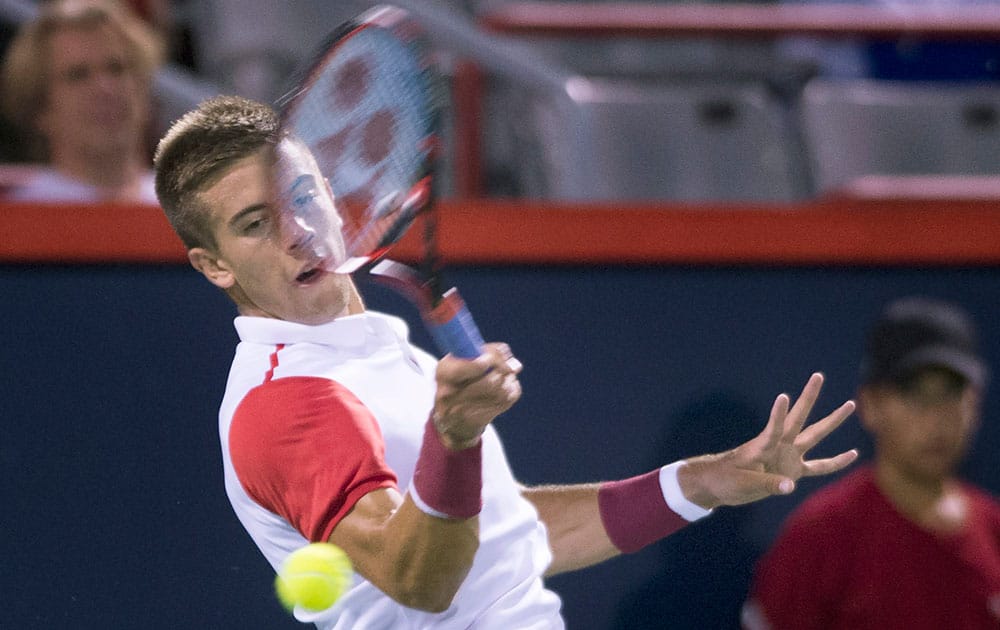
pixel 829 465
pixel 817 431
pixel 803 406
pixel 772 433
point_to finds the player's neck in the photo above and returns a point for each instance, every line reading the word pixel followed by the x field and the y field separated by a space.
pixel 355 304
pixel 935 504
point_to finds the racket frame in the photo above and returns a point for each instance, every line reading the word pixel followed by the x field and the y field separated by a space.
pixel 444 312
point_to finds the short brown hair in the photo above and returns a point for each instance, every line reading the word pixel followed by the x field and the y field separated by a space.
pixel 197 152
pixel 25 75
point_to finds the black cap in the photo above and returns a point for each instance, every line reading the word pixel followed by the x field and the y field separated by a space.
pixel 914 333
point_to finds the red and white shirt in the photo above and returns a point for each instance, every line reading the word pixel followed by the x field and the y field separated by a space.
pixel 315 417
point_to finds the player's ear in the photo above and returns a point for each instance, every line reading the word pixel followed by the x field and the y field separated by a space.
pixel 212 267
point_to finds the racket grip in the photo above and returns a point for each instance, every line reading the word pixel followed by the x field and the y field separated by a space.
pixel 452 327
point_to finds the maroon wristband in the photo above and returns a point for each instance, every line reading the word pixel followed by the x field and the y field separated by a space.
pixel 448 483
pixel 634 512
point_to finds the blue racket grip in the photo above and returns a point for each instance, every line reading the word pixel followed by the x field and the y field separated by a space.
pixel 452 327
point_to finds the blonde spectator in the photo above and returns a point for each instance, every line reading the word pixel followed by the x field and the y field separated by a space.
pixel 77 82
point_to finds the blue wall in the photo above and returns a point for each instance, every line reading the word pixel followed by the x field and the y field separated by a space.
pixel 114 512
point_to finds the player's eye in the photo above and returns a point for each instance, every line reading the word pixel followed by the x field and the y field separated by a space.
pixel 255 226
pixel 304 192
pixel 304 197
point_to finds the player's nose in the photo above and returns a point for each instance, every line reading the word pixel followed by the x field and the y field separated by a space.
pixel 296 235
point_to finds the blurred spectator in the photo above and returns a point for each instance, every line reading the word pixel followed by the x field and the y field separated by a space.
pixel 169 20
pixel 905 544
pixel 905 58
pixel 77 83
pixel 917 59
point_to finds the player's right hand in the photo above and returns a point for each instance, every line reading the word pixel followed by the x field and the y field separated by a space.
pixel 471 393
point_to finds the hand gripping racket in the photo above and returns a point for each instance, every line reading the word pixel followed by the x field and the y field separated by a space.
pixel 368 108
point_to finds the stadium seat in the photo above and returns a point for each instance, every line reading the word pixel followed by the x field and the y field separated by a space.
pixel 858 128
pixel 646 140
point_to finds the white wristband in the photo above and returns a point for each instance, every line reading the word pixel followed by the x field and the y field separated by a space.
pixel 426 509
pixel 675 499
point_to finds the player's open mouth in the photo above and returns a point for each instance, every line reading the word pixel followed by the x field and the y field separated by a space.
pixel 311 275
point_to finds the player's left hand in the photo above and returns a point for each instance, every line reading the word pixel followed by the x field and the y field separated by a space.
pixel 772 462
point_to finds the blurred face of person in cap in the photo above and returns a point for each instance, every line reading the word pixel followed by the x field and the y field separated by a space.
pixel 922 425
pixel 922 390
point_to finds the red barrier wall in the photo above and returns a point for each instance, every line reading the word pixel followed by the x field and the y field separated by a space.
pixel 890 230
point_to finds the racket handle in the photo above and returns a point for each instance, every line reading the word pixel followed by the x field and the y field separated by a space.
pixel 452 327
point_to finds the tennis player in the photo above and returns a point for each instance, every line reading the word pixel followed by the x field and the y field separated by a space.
pixel 335 428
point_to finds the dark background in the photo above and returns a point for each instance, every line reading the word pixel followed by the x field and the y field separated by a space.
pixel 114 513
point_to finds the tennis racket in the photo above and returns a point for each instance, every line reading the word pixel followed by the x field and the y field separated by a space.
pixel 369 109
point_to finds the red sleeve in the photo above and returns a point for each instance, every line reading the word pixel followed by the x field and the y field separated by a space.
pixel 796 580
pixel 307 449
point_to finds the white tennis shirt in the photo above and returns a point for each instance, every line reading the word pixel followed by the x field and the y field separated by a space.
pixel 314 417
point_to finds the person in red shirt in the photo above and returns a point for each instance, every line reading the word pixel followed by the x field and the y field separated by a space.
pixel 905 543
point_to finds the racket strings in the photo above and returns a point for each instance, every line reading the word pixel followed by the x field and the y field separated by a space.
pixel 368 112
pixel 364 114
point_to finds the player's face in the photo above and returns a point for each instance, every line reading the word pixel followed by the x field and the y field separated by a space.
pixel 924 429
pixel 96 105
pixel 307 219
pixel 266 275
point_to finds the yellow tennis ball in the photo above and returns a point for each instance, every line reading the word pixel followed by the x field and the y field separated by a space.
pixel 314 577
